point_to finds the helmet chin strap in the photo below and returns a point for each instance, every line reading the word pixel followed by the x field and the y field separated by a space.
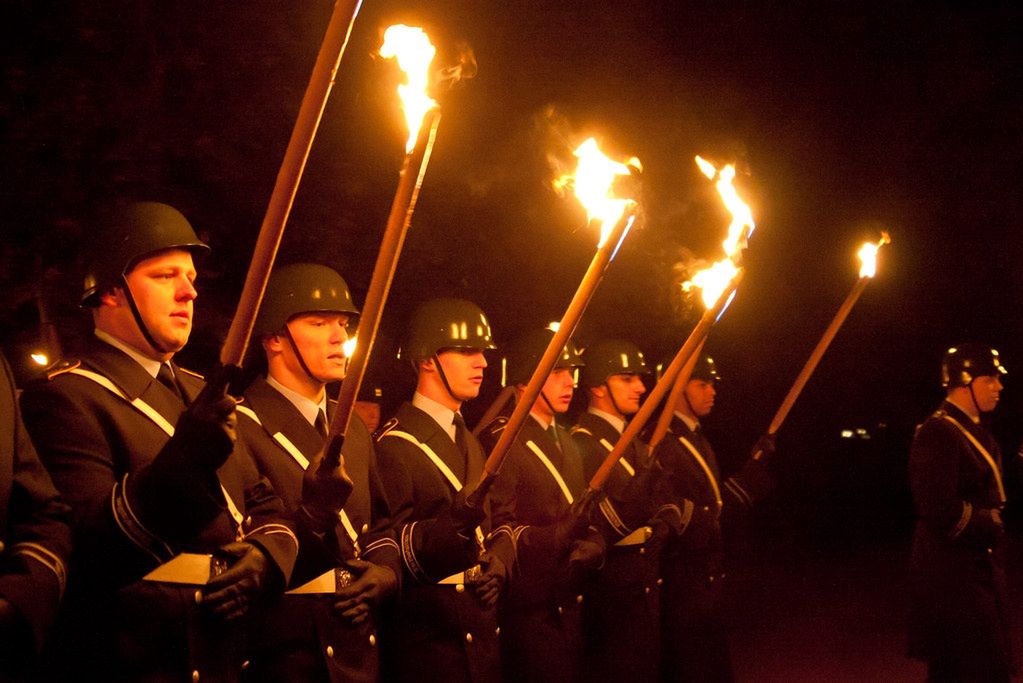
pixel 614 402
pixel 159 348
pixel 298 355
pixel 444 378
pixel 973 397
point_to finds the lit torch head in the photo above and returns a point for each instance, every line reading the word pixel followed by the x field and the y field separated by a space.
pixel 742 225
pixel 593 180
pixel 713 281
pixel 868 255
pixel 414 52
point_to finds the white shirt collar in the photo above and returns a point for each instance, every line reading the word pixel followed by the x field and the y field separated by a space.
pixel 615 421
pixel 443 415
pixel 690 422
pixel 150 365
pixel 310 409
pixel 546 424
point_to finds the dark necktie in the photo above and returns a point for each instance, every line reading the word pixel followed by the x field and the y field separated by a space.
pixel 166 378
pixel 552 431
pixel 459 423
pixel 321 423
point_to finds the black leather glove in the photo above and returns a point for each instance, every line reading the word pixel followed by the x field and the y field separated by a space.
pixel 230 594
pixel 571 525
pixel 985 529
pixel 373 585
pixel 467 513
pixel 587 555
pixel 488 588
pixel 325 490
pixel 764 448
pixel 205 433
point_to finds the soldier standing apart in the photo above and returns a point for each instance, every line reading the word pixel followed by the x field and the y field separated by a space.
pixel 621 615
pixel 541 479
pixel 147 458
pixel 317 635
pixel 959 609
pixel 34 540
pixel 694 643
pixel 444 628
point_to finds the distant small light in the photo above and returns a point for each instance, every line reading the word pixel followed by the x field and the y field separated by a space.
pixel 40 359
pixel 847 433
pixel 861 432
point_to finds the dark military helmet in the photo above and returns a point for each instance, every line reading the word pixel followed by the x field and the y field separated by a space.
pixel 525 354
pixel 705 369
pixel 611 357
pixel 301 288
pixel 441 324
pixel 966 362
pixel 132 233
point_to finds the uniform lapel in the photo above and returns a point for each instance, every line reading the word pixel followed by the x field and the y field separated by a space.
pixel 133 380
pixel 425 428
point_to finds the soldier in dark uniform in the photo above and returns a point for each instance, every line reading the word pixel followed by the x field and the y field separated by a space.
pixel 34 540
pixel 176 535
pixel 540 480
pixel 621 617
pixel 694 642
pixel 445 626
pixel 959 609
pixel 317 635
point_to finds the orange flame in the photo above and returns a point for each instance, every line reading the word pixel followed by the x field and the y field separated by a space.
pixel 868 255
pixel 348 348
pixel 742 225
pixel 712 281
pixel 414 52
pixel 592 182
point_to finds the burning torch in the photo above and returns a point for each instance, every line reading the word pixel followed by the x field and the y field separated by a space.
pixel 270 233
pixel 414 53
pixel 739 230
pixel 592 183
pixel 868 267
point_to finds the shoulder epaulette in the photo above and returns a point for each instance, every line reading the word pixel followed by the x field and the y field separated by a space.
pixel 497 426
pixel 384 428
pixel 61 367
pixel 190 372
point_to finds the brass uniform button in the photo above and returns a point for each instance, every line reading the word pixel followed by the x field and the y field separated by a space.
pixel 372 640
pixel 460 588
pixel 195 676
pixel 468 637
pixel 579 599
pixel 330 650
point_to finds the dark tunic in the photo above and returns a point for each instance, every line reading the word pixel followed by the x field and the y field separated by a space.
pixel 436 631
pixel 540 612
pixel 621 613
pixel 694 643
pixel 958 619
pixel 118 626
pixel 34 537
pixel 302 638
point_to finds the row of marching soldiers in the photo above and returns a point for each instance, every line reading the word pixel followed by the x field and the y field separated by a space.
pixel 212 542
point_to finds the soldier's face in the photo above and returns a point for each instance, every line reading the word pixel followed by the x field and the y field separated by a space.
pixel 320 338
pixel 558 389
pixel 463 369
pixel 986 391
pixel 163 287
pixel 701 396
pixel 626 391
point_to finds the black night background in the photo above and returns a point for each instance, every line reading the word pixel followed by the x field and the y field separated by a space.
pixel 843 118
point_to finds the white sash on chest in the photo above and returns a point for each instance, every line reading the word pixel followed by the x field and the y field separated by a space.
pixel 706 469
pixel 984 454
pixel 161 422
pixel 303 462
pixel 552 469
